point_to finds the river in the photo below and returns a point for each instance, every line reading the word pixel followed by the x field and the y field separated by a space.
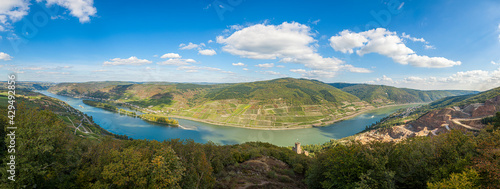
pixel 203 132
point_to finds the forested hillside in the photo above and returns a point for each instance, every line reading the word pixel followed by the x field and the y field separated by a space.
pixel 387 94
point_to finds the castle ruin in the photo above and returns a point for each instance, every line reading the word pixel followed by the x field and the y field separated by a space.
pixel 298 150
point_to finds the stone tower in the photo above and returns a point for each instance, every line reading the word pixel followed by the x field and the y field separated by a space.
pixel 297 148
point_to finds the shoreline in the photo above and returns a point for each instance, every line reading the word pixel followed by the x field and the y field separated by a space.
pixel 326 124
pixel 293 127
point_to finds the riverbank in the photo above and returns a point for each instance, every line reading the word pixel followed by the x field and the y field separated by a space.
pixel 202 132
pixel 276 128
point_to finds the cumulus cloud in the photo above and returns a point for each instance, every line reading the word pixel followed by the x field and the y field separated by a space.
pixel 239 64
pixel 129 61
pixel 288 42
pixel 495 63
pixel 467 80
pixel 266 65
pixel 190 46
pixel 207 52
pixel 171 55
pixel 177 62
pixel 268 41
pixel 386 43
pixel 12 11
pixel 5 56
pixel 82 9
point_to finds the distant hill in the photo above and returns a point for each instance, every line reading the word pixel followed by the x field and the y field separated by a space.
pixel 387 94
pixel 28 85
pixel 279 103
pixel 465 99
pixel 296 91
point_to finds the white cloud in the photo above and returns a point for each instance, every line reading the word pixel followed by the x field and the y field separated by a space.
pixel 314 73
pixel 197 68
pixel 210 41
pixel 53 73
pixel 289 42
pixel 429 47
pixel 386 43
pixel 271 72
pixel 207 52
pixel 266 65
pixel 468 80
pixel 171 55
pixel 177 62
pixel 347 41
pixel 280 66
pixel 100 70
pixel 239 64
pixel 385 78
pixel 34 68
pixel 495 63
pixel 129 61
pixel 5 56
pixel 82 9
pixel 298 70
pixel 246 69
pixel 12 11
pixel 404 35
pixel 190 46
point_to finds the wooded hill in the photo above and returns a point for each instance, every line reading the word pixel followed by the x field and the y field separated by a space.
pixel 381 94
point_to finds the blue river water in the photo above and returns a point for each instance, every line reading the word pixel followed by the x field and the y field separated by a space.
pixel 203 132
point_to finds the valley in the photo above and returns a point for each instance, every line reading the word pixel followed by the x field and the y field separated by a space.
pixel 278 104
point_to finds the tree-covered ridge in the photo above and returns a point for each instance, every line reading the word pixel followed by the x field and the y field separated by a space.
pixel 388 94
pixel 147 117
pixel 49 155
pixel 296 91
pixel 27 85
pixel 101 105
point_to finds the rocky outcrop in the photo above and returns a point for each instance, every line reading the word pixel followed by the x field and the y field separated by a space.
pixel 467 118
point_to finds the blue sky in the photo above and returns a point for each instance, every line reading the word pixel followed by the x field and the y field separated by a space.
pixel 415 44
